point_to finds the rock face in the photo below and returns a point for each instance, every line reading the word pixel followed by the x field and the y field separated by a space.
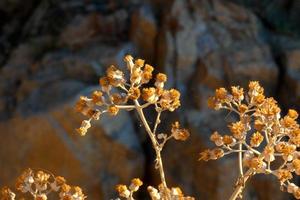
pixel 54 52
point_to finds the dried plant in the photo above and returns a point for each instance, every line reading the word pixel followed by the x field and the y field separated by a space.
pixel 265 142
pixel 120 91
pixel 40 184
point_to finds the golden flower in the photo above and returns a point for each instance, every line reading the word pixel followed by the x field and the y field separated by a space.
pixel 288 122
pixel 7 194
pixel 269 107
pixel 77 193
pixel 179 133
pixel 170 99
pixel 24 181
pixel 85 125
pixel 295 140
pixel 134 93
pixel 296 166
pixel 283 175
pixel 247 157
pixel 217 153
pixel 139 62
pixel 80 104
pixel 286 149
pixel 255 88
pixel 256 139
pixel 205 155
pixel 148 68
pixel 40 197
pixel 160 77
pixel 243 108
pixel 269 153
pixel 113 110
pixel 104 83
pixel 176 192
pixel 41 177
pixel 128 58
pixel 146 77
pixel 296 193
pixel 254 85
pixel 115 76
pixel 259 125
pixel 160 80
pixel 228 140
pixel 59 181
pixel 147 73
pixel 221 94
pixel 256 93
pixel 117 98
pixel 256 163
pixel 211 154
pixel 259 99
pixel 149 95
pixel 123 191
pixel 135 184
pixel 155 195
pixel 217 138
pixel 66 196
pixel 136 76
pixel 129 61
pixel 280 146
pixel 237 93
pixel 238 129
pixel 213 103
pixel 295 132
pixel 84 105
pixel 95 114
pixel 65 188
pixel 293 114
pixel 97 98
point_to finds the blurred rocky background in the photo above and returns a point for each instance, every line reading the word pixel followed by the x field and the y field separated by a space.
pixel 51 51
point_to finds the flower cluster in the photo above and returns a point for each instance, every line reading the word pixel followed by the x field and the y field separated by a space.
pixel 116 92
pixel 127 192
pixel 260 137
pixel 134 91
pixel 40 184
pixel 173 194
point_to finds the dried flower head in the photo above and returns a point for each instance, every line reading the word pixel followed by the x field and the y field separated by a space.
pixel 39 184
pixel 179 133
pixel 7 194
pixel 121 90
pixel 270 136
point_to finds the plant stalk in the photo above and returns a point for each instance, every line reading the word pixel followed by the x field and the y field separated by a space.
pixel 240 186
pixel 241 159
pixel 154 142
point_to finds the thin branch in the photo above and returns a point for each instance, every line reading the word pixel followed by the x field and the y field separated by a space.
pixel 154 142
pixel 126 107
pixel 241 159
pixel 157 121
pixel 240 186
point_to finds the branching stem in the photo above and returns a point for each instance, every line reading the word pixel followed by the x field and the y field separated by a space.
pixel 240 185
pixel 241 159
pixel 154 143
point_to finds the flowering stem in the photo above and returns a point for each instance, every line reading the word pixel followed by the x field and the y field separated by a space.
pixel 240 185
pixel 157 121
pixel 125 106
pixel 251 149
pixel 241 159
pixel 154 143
